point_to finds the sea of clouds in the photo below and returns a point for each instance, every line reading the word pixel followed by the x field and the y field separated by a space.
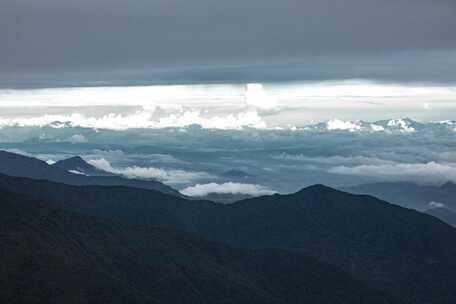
pixel 283 136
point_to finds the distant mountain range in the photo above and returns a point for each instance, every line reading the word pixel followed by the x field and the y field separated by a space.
pixel 51 256
pixel 403 252
pixel 409 195
pixel 78 165
pixel 445 214
pixel 82 173
pixel 224 198
pixel 420 197
pixel 403 125
pixel 394 125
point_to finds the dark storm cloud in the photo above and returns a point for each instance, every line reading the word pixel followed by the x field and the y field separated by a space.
pixel 79 36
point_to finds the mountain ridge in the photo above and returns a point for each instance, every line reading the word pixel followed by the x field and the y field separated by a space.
pixel 19 165
pixel 77 163
pixel 55 256
pixel 401 251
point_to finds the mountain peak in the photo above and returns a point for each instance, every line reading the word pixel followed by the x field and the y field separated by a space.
pixel 317 188
pixel 74 163
pixel 77 163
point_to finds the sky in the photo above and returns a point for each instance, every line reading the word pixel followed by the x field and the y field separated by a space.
pixel 65 42
pixel 292 92
pixel 225 64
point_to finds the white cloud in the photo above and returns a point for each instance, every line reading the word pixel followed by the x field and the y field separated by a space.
pixel 436 205
pixel 217 106
pixel 230 187
pixel 336 124
pixel 168 176
pixel 231 121
pixel 377 128
pixel 141 119
pixel 257 96
pixel 430 173
pixel 401 124
pixel 77 139
pixel 76 172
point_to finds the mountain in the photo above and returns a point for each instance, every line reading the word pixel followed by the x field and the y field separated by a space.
pixel 223 198
pixel 409 195
pixel 390 126
pixel 19 165
pixel 420 197
pixel 51 255
pixel 444 214
pixel 401 251
pixel 79 165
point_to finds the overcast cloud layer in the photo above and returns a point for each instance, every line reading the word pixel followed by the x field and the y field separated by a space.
pixel 385 39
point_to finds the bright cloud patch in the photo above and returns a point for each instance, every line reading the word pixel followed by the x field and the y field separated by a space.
pixel 257 96
pixel 167 176
pixel 401 124
pixel 337 124
pixel 227 106
pixel 76 172
pixel 230 188
pixel 141 119
pixel 77 139
pixel 436 205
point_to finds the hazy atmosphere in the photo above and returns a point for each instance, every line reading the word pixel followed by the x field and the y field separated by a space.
pixel 294 151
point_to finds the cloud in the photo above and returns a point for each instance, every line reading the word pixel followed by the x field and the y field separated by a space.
pixel 377 128
pixel 229 187
pixel 256 105
pixel 401 124
pixel 19 151
pixel 430 173
pixel 119 155
pixel 278 32
pixel 231 121
pixel 436 205
pixel 333 160
pixel 257 96
pixel 141 119
pixel 77 139
pixel 76 172
pixel 167 176
pixel 336 124
pixel 48 158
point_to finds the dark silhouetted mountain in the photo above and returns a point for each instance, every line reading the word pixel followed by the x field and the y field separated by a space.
pixel 224 198
pixel 78 164
pixel 409 195
pixel 401 251
pixel 444 214
pixel 235 174
pixel 19 165
pixel 51 256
